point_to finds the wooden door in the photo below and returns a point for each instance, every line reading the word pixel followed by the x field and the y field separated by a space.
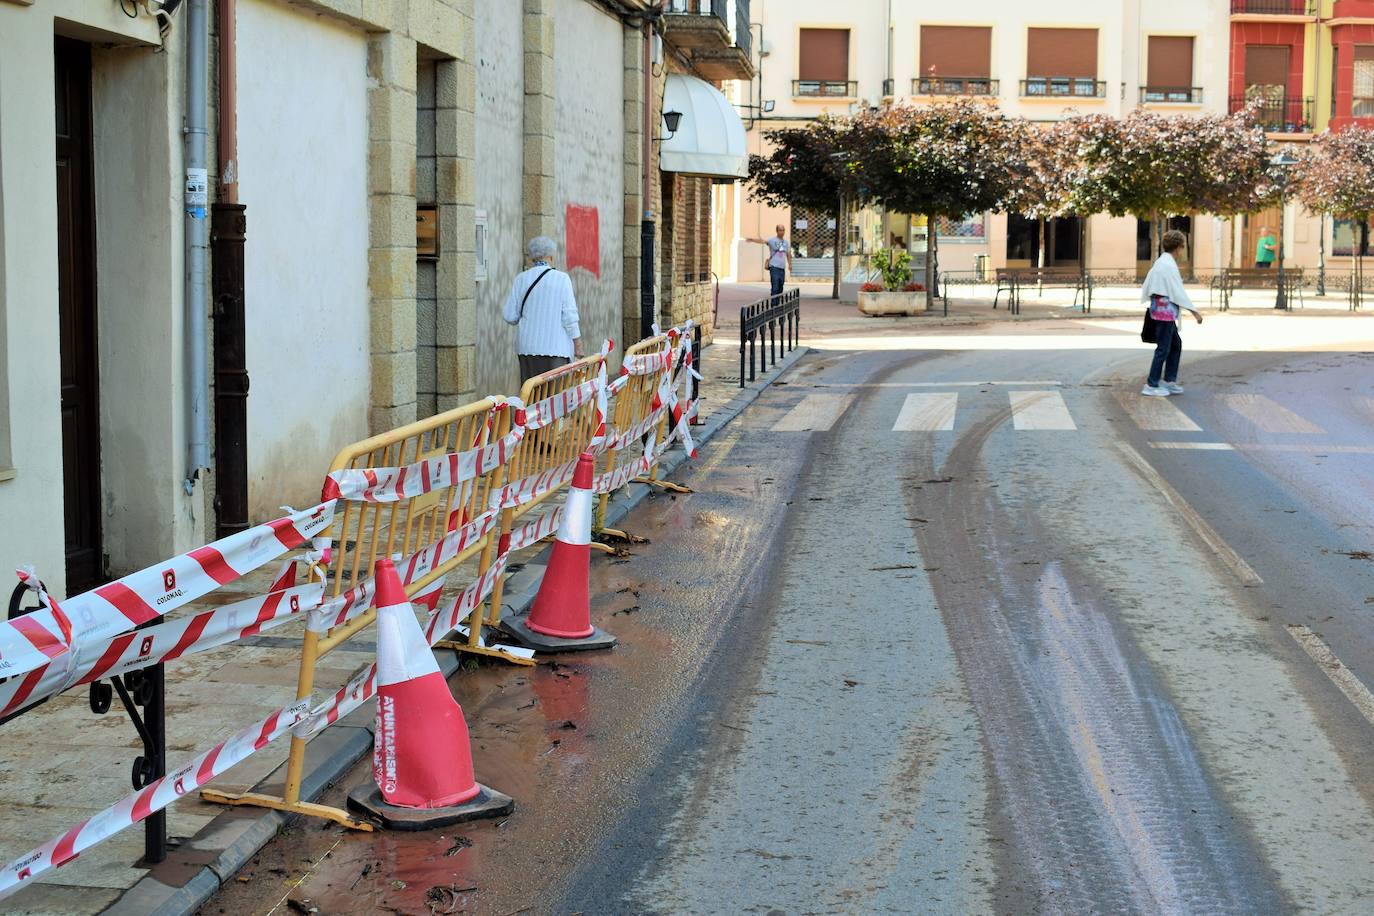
pixel 1254 224
pixel 77 316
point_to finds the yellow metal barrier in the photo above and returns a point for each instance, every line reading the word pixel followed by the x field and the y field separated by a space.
pixel 363 532
pixel 632 406
pixel 549 447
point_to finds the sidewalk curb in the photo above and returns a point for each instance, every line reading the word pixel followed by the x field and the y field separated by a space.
pixel 226 844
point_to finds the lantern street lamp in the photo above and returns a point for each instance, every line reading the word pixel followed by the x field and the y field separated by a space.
pixel 1283 163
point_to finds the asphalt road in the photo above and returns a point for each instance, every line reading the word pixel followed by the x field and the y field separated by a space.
pixel 1045 647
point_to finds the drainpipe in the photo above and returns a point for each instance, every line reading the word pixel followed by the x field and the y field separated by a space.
pixel 197 199
pixel 647 227
pixel 228 231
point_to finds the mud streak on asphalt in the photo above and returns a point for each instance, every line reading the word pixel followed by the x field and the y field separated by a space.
pixel 1098 794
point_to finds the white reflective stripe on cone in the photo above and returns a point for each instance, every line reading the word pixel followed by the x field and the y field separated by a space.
pixel 577 518
pixel 402 653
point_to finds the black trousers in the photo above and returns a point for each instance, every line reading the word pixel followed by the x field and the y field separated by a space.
pixel 530 366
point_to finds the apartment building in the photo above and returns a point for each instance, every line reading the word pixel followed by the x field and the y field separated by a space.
pixel 1042 61
pixel 372 173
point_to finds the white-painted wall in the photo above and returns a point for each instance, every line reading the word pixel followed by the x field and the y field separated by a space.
pixel 138 280
pixel 303 177
pixel 590 139
pixel 500 167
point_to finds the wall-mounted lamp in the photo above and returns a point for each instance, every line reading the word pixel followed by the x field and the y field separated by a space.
pixel 671 120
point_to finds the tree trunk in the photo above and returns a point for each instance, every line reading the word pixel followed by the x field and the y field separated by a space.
pixel 835 285
pixel 1040 258
pixel 1156 236
pixel 930 261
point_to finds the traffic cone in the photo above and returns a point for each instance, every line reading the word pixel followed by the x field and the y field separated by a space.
pixel 560 620
pixel 422 757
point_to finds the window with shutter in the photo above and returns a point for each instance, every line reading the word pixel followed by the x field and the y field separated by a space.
pixel 1061 62
pixel 955 60
pixel 823 62
pixel 1169 69
pixel 1362 104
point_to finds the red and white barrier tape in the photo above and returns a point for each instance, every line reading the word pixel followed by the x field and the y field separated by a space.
pixel 149 800
pixel 382 485
pixel 339 610
pixel 161 643
pixel 31 641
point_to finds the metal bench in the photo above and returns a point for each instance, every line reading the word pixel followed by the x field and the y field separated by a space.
pixel 1014 279
pixel 1233 278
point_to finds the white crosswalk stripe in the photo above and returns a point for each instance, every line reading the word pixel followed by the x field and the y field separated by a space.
pixel 1040 410
pixel 1270 416
pixel 927 412
pixel 815 413
pixel 1156 414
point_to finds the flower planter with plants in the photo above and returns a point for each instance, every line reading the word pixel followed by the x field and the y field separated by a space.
pixel 897 294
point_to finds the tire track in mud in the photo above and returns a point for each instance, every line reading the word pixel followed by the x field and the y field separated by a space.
pixel 1097 791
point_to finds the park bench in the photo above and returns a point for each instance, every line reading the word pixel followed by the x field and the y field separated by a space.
pixel 1233 278
pixel 1014 279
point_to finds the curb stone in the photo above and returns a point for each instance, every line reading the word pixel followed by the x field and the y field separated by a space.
pixel 223 846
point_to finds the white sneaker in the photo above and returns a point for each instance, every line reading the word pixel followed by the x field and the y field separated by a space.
pixel 1174 387
pixel 1151 392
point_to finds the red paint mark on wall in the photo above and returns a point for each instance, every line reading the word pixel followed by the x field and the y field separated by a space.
pixel 583 225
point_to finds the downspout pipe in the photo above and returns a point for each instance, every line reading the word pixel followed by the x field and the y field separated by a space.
pixel 197 194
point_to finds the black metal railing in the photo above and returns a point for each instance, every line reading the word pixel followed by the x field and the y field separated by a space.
pixel 717 8
pixel 768 329
pixel 825 88
pixel 1062 86
pixel 142 693
pixel 954 85
pixel 1189 94
pixel 1278 115
pixel 744 37
pixel 1275 7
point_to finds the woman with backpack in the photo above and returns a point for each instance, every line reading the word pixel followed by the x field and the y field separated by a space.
pixel 1164 296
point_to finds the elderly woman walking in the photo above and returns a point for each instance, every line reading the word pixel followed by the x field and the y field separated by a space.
pixel 542 306
pixel 1163 292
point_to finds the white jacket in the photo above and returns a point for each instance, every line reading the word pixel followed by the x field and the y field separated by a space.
pixel 1165 280
pixel 549 324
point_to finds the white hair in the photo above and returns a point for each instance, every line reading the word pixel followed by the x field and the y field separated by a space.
pixel 541 246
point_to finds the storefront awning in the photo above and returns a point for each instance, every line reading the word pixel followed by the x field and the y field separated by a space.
pixel 710 138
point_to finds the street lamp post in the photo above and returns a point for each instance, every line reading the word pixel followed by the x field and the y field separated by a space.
pixel 1283 161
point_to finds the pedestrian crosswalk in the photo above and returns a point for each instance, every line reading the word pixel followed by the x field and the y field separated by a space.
pixel 1044 409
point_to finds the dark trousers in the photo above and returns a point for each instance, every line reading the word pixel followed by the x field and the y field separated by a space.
pixel 1264 265
pixel 1168 351
pixel 776 275
pixel 530 366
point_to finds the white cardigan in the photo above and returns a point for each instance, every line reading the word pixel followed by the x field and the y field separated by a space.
pixel 1165 280
pixel 549 324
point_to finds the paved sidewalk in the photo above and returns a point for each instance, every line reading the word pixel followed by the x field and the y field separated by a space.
pixel 63 763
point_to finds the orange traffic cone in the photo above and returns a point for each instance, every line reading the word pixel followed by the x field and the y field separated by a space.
pixel 422 757
pixel 560 620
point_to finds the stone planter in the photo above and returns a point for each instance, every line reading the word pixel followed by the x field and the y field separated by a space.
pixel 892 303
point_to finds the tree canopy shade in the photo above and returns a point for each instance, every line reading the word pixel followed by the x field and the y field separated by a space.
pixel 1335 176
pixel 808 169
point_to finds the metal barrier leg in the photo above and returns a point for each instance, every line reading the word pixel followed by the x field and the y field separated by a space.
pixel 295 762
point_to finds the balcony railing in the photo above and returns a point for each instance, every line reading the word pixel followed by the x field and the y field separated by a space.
pixel 1174 94
pixel 1275 7
pixel 1062 86
pixel 825 88
pixel 954 85
pixel 1278 116
pixel 744 37
pixel 715 8
pixel 1362 107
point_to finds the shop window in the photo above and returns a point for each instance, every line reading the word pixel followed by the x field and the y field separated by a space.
pixel 1349 238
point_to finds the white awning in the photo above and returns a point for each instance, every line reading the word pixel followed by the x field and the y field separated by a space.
pixel 710 139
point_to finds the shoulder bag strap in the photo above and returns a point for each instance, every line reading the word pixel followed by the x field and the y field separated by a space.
pixel 547 271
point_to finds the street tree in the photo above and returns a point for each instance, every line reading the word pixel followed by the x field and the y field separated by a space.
pixel 940 160
pixel 1039 159
pixel 1150 166
pixel 808 169
pixel 1335 176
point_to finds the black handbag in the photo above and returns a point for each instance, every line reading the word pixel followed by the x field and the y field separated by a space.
pixel 1147 330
